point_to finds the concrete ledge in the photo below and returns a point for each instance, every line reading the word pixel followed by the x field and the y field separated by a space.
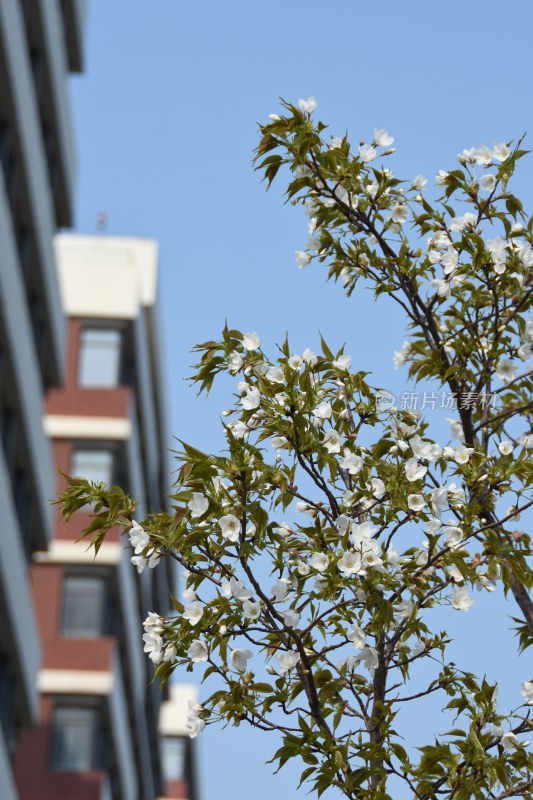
pixel 75 681
pixel 59 426
pixel 62 551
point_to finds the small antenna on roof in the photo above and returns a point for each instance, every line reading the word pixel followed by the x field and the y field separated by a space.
pixel 101 221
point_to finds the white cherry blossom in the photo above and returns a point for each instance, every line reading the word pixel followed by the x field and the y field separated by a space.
pixel 461 600
pixel 309 357
pixel 252 398
pixel 505 448
pixel 382 138
pixel 460 454
pixel 291 618
pixel 275 375
pixel 416 502
pixel 400 214
pixel 455 573
pixel 194 724
pixel 198 651
pixel 239 590
pixel 456 428
pixel 500 151
pixel 305 508
pixel 509 741
pixel 356 635
pixel 400 356
pixel 251 610
pixel 287 661
pixel 138 537
pixel 139 562
pixel 198 504
pixel 420 183
pixel 367 153
pixel 239 659
pixel 235 361
pixel 362 532
pixel 153 622
pixel 251 341
pixel 309 105
pixel 323 410
pixel 405 608
pixel 351 462
pixel 527 692
pixel 280 590
pixel 369 657
pixel 453 536
pixel 302 258
pixel 450 260
pixel 193 612
pixel 332 441
pixel 349 563
pixel 343 363
pixel 378 488
pixel 283 530
pixel 413 470
pixel 506 370
pixel 487 182
pixel 319 561
pixel 153 645
pixel 239 429
pixel 230 527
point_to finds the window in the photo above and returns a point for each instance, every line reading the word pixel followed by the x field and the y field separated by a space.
pixel 95 465
pixel 76 739
pixel 86 609
pixel 100 354
pixel 173 757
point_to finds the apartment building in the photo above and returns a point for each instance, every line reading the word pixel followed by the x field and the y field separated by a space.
pixel 102 732
pixel 40 43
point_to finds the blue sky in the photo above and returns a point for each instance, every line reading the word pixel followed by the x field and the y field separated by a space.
pixel 166 121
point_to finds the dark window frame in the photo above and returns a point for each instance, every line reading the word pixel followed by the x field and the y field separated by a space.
pixel 101 327
pixel 105 621
pixel 90 713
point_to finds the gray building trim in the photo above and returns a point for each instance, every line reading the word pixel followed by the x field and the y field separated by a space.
pixel 16 324
pixel 159 393
pixel 145 401
pixel 18 624
pixel 121 733
pixel 136 672
pixel 74 14
pixel 54 52
pixel 6 778
pixel 27 129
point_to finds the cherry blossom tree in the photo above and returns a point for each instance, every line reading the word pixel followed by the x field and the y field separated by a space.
pixel 319 547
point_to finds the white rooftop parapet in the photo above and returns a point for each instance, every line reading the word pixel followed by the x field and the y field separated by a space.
pixel 106 276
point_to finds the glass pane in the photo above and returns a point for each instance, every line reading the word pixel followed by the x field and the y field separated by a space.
pixel 173 756
pixel 74 739
pixel 99 357
pixel 84 600
pixel 95 465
